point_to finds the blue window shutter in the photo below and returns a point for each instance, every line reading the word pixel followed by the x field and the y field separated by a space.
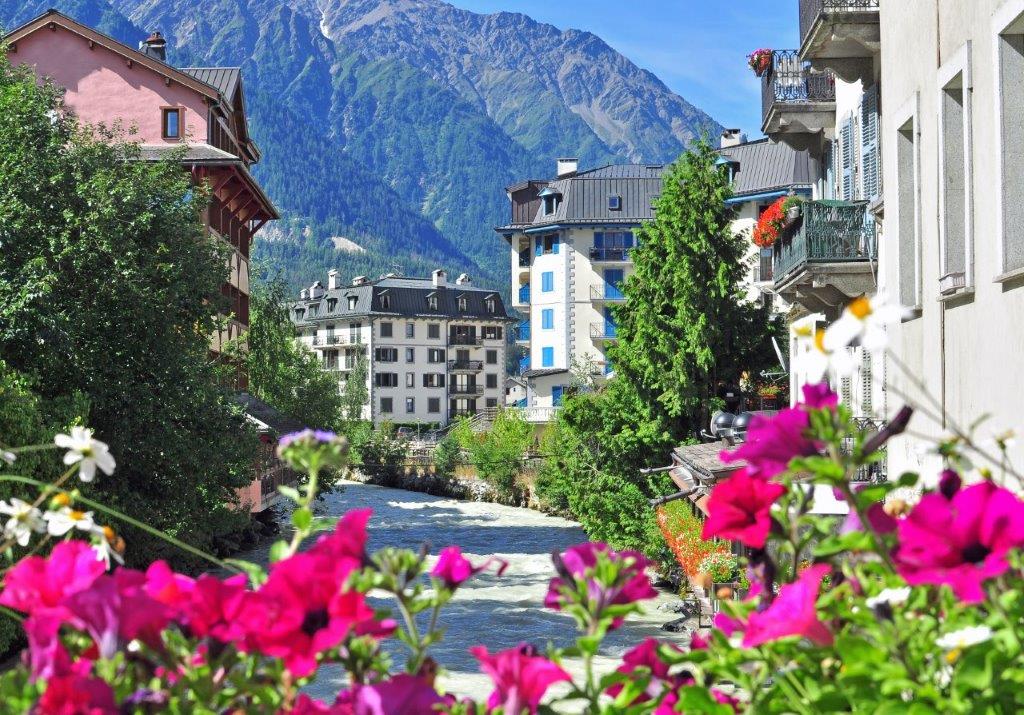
pixel 539 250
pixel 556 395
pixel 547 282
pixel 869 143
pixel 547 357
pixel 554 245
pixel 847 160
pixel 598 239
pixel 547 319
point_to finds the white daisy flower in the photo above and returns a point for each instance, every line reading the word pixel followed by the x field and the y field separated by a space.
pixel 25 519
pixel 891 596
pixel 865 321
pixel 7 456
pixel 964 638
pixel 65 519
pixel 108 545
pixel 88 452
pixel 821 362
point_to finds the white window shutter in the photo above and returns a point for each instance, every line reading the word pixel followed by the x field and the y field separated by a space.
pixel 848 177
pixel 869 143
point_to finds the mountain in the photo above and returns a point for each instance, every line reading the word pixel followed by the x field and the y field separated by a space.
pixel 390 128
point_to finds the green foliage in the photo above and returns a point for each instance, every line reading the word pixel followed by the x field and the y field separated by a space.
pixel 685 325
pixel 282 372
pixel 383 454
pixel 447 456
pixel 356 394
pixel 108 286
pixel 499 453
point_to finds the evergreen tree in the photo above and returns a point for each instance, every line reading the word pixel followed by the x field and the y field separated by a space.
pixel 685 323
pixel 356 394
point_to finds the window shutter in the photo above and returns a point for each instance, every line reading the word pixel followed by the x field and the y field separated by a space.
pixel 866 408
pixel 869 143
pixel 554 245
pixel 830 170
pixel 539 251
pixel 847 160
pixel 599 239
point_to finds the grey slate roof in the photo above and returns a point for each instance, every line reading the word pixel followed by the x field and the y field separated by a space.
pixel 263 414
pixel 199 152
pixel 223 79
pixel 543 372
pixel 406 297
pixel 768 166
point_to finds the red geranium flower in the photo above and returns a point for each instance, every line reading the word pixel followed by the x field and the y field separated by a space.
pixel 740 509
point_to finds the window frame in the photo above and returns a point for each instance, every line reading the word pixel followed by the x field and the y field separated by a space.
pixel 387 405
pixel 547 282
pixel 410 355
pixel 909 113
pixel 433 331
pixel 387 329
pixel 410 405
pixel 166 112
pixel 1007 20
pixel 958 65
pixel 547 357
pixel 491 354
pixel 410 330
pixel 545 323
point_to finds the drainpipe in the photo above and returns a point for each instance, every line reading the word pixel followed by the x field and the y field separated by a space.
pixel 938 223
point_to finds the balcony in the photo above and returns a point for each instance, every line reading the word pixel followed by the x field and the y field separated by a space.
pixel 763 269
pixel 798 103
pixel 523 332
pixel 610 255
pixel 606 293
pixel 842 36
pixel 465 365
pixel 524 258
pixel 459 414
pixel 524 364
pixel 522 297
pixel 826 257
pixel 604 330
pixel 467 390
pixel 327 341
pixel 469 340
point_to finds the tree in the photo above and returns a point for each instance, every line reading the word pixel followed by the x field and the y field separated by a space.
pixel 383 454
pixel 282 372
pixel 447 456
pixel 356 394
pixel 685 323
pixel 499 454
pixel 109 287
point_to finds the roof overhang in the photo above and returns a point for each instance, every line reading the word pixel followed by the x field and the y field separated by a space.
pixel 765 195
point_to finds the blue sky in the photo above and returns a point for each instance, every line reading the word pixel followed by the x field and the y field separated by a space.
pixel 698 48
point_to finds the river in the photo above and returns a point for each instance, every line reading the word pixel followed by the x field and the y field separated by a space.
pixel 496 612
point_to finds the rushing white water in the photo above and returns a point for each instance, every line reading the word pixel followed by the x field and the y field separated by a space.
pixel 498 612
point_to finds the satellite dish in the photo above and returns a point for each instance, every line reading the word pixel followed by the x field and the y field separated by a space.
pixel 778 354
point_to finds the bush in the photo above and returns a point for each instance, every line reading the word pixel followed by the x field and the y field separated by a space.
pixel 383 455
pixel 681 528
pixel 447 456
pixel 499 454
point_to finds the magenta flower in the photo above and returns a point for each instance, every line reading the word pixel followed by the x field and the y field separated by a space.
pixel 578 562
pixel 520 677
pixel 949 483
pixel 792 613
pixel 819 397
pixel 36 583
pixel 403 694
pixel 773 441
pixel 213 605
pixel 740 509
pixel 305 705
pixel 960 542
pixel 46 656
pixel 645 656
pixel 879 521
pixel 76 695
pixel 346 545
pixel 116 610
pixel 454 569
pixel 668 705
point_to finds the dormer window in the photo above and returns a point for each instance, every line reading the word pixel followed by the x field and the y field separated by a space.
pixel 352 301
pixel 300 313
pixel 551 199
pixel 171 122
pixel 462 304
pixel 313 309
pixel 332 305
pixel 385 302
pixel 489 305
pixel 614 203
pixel 432 302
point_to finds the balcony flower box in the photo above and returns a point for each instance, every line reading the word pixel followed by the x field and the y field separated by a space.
pixel 760 61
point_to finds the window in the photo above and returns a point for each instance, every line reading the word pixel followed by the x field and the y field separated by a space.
pixel 432 302
pixel 386 354
pixel 491 381
pixel 547 357
pixel 614 203
pixel 410 354
pixel 434 331
pixel 1010 95
pixel 410 379
pixel 550 244
pixel 489 305
pixel 462 304
pixel 433 379
pixel 907 207
pixel 354 330
pixel 556 395
pixel 547 319
pixel 434 405
pixel 435 356
pixel 492 402
pixel 299 313
pixel 385 302
pixel 386 330
pixel 492 332
pixel 492 357
pixel 550 204
pixel 313 310
pixel 954 186
pixel 171 123
pixel 387 405
pixel 410 330
pixel 332 305
pixel 352 302
pixel 410 405
pixel 547 281
pixel 386 379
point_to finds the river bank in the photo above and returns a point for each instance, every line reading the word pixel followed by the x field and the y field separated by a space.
pixel 498 612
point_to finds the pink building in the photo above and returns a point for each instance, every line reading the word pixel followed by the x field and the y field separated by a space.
pixel 164 108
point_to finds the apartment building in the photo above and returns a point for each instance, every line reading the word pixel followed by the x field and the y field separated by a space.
pixel 196 114
pixel 435 351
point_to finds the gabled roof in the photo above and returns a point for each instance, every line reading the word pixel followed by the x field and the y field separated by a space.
pixel 224 79
pixel 768 166
pixel 53 18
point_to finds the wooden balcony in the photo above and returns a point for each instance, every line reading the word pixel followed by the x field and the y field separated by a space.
pixel 827 257
pixel 842 36
pixel 798 103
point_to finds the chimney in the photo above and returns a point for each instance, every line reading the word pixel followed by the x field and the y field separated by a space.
pixel 316 290
pixel 733 137
pixel 566 167
pixel 332 280
pixel 154 46
pixel 440 278
pixel 463 280
pixel 360 281
pixel 303 294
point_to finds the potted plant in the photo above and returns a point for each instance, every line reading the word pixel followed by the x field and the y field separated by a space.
pixel 760 60
pixel 769 395
pixel 792 207
pixel 770 225
pixel 722 566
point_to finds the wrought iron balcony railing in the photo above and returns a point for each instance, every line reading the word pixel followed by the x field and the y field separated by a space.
pixel 609 254
pixel 465 339
pixel 523 331
pixel 827 232
pixel 604 330
pixel 454 389
pixel 790 81
pixel 606 293
pixel 877 471
pixel 466 365
pixel 813 10
pixel 524 294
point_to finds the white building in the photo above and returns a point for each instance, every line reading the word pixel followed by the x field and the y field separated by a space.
pixel 435 350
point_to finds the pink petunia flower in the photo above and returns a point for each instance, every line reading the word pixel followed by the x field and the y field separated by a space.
pixel 578 562
pixel 305 705
pixel 792 613
pixel 960 542
pixel 454 569
pixel 213 605
pixel 403 694
pixel 740 509
pixel 879 521
pixel 116 610
pixel 347 543
pixel 76 695
pixel 36 583
pixel 819 396
pixel 520 677
pixel 773 441
pixel 45 656
pixel 646 656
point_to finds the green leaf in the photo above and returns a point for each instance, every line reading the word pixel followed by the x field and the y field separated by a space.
pixel 278 551
pixel 255 572
pixel 854 541
pixel 302 518
pixel 290 492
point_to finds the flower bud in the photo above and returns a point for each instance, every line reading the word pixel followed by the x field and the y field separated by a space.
pixel 896 508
